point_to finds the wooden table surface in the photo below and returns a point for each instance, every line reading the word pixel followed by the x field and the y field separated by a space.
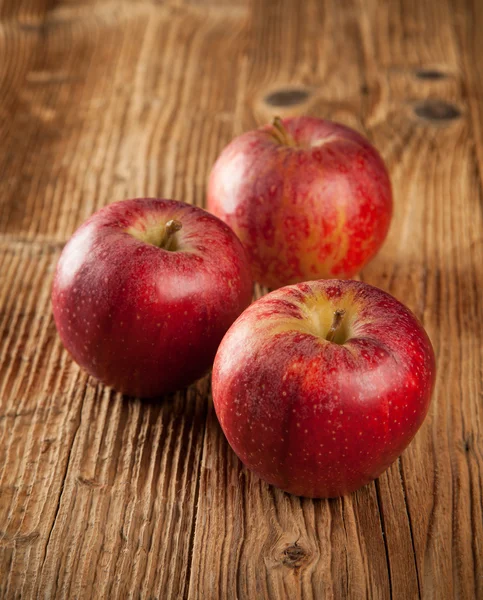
pixel 108 497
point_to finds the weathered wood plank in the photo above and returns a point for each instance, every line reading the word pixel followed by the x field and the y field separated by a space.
pixel 115 107
pixel 416 114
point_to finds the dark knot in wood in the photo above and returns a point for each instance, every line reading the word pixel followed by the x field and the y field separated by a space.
pixel 436 110
pixel 294 556
pixel 468 443
pixel 287 97
pixel 430 74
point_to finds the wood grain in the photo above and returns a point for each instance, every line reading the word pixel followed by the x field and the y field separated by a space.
pixel 109 497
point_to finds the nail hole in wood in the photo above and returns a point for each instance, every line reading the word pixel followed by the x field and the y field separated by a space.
pixel 436 110
pixel 287 97
pixel 430 74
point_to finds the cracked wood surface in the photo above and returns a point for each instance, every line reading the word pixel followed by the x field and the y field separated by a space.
pixel 107 497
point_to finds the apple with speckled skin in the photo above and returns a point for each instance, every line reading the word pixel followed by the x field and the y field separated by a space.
pixel 144 292
pixel 320 386
pixel 308 198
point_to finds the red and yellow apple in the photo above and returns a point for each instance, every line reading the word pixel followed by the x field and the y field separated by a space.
pixel 308 198
pixel 320 386
pixel 144 292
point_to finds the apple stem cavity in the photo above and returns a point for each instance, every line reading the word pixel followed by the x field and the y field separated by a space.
pixel 281 134
pixel 169 241
pixel 336 323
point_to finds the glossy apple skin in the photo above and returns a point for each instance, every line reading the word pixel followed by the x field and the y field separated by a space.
pixel 142 319
pixel 313 417
pixel 320 209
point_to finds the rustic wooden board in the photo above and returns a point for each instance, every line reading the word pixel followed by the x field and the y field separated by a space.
pixel 108 497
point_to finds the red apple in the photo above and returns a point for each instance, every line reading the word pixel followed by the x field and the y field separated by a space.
pixel 320 386
pixel 145 290
pixel 308 198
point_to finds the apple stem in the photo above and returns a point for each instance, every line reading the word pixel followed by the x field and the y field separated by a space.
pixel 281 134
pixel 336 323
pixel 171 227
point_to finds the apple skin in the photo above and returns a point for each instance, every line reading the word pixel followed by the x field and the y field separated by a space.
pixel 140 318
pixel 314 417
pixel 315 203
